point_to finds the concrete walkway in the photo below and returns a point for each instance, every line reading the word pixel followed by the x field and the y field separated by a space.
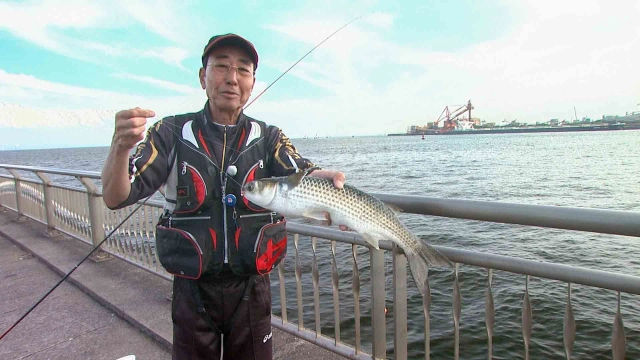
pixel 66 325
pixel 105 310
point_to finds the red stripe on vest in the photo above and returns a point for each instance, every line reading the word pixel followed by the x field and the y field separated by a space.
pixel 238 237
pixel 213 238
pixel 241 139
pixel 204 144
pixel 265 261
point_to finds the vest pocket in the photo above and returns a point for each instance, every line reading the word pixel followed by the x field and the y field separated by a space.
pixel 260 243
pixel 271 246
pixel 191 196
pixel 186 249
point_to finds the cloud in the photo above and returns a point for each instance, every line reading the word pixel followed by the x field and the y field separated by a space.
pixel 163 84
pixel 44 24
pixel 30 102
pixel 16 116
pixel 169 55
pixel 33 83
pixel 37 22
pixel 554 57
pixel 380 19
pixel 155 15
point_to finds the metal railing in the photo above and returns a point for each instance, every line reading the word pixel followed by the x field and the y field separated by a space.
pixel 79 212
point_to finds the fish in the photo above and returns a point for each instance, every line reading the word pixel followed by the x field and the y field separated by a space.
pixel 311 198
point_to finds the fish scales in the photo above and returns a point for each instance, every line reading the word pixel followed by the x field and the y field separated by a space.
pixel 310 197
pixel 348 204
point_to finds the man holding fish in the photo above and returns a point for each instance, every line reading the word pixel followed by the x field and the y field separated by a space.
pixel 230 181
pixel 219 247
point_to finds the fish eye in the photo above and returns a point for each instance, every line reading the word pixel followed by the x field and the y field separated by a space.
pixel 250 187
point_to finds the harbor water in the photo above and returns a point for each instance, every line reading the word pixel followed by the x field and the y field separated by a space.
pixel 582 169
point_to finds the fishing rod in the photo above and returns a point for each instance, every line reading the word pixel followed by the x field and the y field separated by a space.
pixel 189 145
pixel 74 269
pixel 145 200
pixel 302 58
pixel 230 148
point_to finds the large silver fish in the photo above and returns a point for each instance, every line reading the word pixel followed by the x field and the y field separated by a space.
pixel 301 196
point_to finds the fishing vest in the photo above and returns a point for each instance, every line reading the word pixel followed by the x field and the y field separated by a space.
pixel 211 224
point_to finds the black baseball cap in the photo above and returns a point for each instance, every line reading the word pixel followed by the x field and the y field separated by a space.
pixel 233 40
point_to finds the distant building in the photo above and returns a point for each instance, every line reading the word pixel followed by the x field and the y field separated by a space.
pixel 629 118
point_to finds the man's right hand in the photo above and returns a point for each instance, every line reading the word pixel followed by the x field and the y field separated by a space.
pixel 130 127
pixel 130 130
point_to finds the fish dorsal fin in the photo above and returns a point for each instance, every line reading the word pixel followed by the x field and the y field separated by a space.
pixel 294 179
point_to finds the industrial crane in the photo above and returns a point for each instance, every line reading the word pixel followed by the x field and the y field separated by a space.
pixel 450 117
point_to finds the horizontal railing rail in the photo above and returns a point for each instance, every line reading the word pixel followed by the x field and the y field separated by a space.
pixel 569 274
pixel 81 214
pixel 53 171
pixel 559 217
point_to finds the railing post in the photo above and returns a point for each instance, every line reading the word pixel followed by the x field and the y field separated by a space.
pixel 95 216
pixel 379 345
pixel 19 202
pixel 49 208
pixel 399 304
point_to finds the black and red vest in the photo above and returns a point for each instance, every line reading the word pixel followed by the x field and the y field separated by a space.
pixel 206 229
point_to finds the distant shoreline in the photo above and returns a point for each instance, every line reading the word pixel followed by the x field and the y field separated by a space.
pixel 523 130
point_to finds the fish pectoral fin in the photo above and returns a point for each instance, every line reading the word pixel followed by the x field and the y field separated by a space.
pixel 372 239
pixel 310 221
pixel 315 216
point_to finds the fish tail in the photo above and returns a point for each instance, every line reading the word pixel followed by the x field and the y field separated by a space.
pixel 432 256
pixel 419 262
pixel 420 271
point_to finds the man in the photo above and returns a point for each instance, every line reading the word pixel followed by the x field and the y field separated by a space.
pixel 219 246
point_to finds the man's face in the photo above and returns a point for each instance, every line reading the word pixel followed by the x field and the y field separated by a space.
pixel 227 92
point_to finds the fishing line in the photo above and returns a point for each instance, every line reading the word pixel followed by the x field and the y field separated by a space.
pixel 145 200
pixel 305 55
pixel 227 147
pixel 192 147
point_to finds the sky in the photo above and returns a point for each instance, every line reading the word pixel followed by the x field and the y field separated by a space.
pixel 68 66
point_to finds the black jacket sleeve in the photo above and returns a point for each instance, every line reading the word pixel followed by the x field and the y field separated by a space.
pixel 285 159
pixel 149 167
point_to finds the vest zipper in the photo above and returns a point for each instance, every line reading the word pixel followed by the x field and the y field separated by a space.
pixel 272 214
pixel 190 218
pixel 223 182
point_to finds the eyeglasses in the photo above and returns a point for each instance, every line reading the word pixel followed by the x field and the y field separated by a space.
pixel 223 69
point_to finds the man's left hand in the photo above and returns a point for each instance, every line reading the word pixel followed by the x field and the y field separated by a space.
pixel 338 178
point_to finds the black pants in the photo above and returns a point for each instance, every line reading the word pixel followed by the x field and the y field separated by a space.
pixel 248 336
